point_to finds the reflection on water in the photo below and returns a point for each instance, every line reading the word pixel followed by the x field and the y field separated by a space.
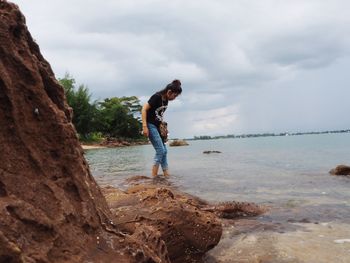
pixel 289 174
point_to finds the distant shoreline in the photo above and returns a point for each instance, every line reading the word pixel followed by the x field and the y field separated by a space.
pixel 253 135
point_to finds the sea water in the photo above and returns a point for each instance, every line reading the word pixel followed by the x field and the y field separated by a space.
pixel 309 210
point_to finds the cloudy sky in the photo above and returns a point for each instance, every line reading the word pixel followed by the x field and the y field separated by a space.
pixel 246 66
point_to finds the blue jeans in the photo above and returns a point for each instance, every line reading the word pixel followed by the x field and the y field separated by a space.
pixel 161 151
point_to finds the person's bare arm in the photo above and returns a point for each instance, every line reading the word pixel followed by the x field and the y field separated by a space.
pixel 145 108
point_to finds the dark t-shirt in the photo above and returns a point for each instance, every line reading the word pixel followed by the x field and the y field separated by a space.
pixel 158 107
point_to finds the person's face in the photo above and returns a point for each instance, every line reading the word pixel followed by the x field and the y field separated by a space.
pixel 171 95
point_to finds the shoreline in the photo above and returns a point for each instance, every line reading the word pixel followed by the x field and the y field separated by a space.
pixel 124 143
pixel 90 147
pixel 111 144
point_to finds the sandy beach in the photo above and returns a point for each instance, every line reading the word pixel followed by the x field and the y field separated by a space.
pixel 89 147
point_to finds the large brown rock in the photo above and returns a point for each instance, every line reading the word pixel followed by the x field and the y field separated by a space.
pixel 187 230
pixel 187 225
pixel 51 209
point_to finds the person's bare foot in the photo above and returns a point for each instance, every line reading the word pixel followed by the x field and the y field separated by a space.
pixel 155 170
pixel 166 173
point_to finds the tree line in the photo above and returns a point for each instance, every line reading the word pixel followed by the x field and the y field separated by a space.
pixel 113 117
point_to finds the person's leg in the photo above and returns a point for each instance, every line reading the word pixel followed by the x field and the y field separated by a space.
pixel 166 172
pixel 164 162
pixel 158 146
pixel 155 168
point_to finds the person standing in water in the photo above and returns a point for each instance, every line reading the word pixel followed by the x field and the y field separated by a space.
pixel 152 117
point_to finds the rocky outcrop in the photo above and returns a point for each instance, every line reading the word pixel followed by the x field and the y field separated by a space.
pixel 115 142
pixel 51 209
pixel 178 143
pixel 183 230
pixel 340 170
pixel 183 225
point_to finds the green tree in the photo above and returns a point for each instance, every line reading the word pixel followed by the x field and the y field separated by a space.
pixel 134 106
pixel 84 112
pixel 116 117
pixel 68 83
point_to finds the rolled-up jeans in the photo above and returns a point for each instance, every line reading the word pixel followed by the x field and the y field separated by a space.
pixel 161 151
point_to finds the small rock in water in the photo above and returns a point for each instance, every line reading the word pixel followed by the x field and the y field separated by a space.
pixel 340 170
pixel 208 152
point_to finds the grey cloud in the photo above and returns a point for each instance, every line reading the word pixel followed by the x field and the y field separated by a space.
pixel 228 54
pixel 309 49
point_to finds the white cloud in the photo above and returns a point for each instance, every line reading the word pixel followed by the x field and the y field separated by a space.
pixel 203 122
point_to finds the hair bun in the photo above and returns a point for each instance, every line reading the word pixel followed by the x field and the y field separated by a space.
pixel 176 82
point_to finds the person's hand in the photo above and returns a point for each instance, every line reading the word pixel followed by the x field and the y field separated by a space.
pixel 145 131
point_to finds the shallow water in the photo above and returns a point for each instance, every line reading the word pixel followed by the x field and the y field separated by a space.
pixel 309 209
